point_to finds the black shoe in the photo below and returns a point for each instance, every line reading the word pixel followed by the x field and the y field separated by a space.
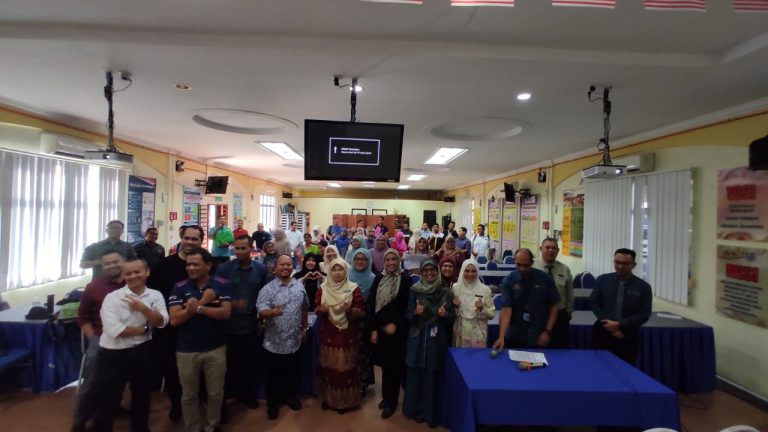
pixel 382 404
pixel 294 404
pixel 387 412
pixel 175 413
pixel 272 415
pixel 251 404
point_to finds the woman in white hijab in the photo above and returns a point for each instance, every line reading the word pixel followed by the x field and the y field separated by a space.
pixel 474 307
pixel 340 306
pixel 330 254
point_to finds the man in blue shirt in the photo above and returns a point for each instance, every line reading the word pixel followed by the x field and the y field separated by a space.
pixel 621 302
pixel 200 307
pixel 529 303
pixel 246 277
pixel 463 243
pixel 284 304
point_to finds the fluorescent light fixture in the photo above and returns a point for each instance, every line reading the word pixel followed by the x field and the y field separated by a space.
pixel 281 149
pixel 334 185
pixel 369 186
pixel 404 187
pixel 444 155
pixel 524 96
pixel 369 182
pixel 417 177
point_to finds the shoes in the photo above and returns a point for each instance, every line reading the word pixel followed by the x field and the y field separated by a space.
pixel 252 404
pixel 175 413
pixel 387 412
pixel 382 404
pixel 294 404
pixel 272 415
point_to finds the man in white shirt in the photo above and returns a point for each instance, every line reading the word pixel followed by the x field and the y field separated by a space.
pixel 294 236
pixel 128 316
pixel 482 245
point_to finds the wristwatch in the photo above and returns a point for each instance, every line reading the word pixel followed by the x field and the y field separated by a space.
pixel 146 328
pixel 200 310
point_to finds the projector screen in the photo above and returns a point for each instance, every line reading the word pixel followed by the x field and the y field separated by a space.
pixel 345 151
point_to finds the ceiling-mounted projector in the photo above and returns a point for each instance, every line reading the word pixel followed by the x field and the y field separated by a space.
pixel 108 155
pixel 603 172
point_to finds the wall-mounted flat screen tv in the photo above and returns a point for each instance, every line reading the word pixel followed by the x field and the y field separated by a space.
pixel 344 151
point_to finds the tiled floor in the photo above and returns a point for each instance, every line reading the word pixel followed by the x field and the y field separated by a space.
pixel 25 412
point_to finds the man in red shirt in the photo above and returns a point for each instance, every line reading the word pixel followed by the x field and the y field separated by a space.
pixel 89 320
pixel 239 231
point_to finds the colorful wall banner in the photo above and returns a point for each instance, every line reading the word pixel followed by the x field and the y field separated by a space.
pixel 506 3
pixel 742 284
pixel 141 207
pixel 237 207
pixel 609 4
pixel 742 207
pixel 191 206
pixel 509 227
pixel 573 224
pixel 494 217
pixel 529 223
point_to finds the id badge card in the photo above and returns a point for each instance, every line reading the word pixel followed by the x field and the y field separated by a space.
pixel 527 316
pixel 433 331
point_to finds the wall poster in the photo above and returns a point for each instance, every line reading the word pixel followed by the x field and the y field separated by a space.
pixel 141 207
pixel 529 223
pixel 509 227
pixel 742 284
pixel 493 220
pixel 237 207
pixel 742 207
pixel 573 223
pixel 191 206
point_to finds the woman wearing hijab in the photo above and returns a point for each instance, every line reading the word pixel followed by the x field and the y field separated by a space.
pixel 357 242
pixel 398 243
pixel 430 312
pixel 377 254
pixel 342 242
pixel 362 275
pixel 330 254
pixel 310 276
pixel 340 307
pixel 413 260
pixel 450 250
pixel 282 245
pixel 474 307
pixel 388 327
pixel 448 271
pixel 270 259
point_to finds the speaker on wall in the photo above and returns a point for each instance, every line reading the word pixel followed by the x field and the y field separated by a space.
pixel 449 199
pixel 287 195
pixel 758 154
pixel 509 192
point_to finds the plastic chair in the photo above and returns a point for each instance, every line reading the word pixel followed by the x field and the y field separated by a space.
pixel 415 278
pixel 497 301
pixel 587 280
pixel 509 259
pixel 508 253
pixel 492 266
pixel 577 280
pixel 482 260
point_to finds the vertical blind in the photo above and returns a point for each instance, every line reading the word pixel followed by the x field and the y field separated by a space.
pixel 650 214
pixel 51 209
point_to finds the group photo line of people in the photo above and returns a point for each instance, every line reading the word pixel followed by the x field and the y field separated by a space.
pixel 208 327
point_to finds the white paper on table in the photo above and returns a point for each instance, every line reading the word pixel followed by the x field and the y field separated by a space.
pixel 525 356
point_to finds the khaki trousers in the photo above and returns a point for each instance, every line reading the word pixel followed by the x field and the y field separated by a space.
pixel 213 364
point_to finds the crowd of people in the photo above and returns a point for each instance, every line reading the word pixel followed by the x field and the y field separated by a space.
pixel 223 324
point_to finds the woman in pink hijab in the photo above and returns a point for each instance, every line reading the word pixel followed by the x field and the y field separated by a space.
pixel 398 243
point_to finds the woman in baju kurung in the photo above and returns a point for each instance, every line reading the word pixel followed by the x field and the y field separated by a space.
pixel 388 328
pixel 474 307
pixel 340 306
pixel 430 312
pixel 362 275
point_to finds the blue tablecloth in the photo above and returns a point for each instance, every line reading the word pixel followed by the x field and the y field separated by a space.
pixel 55 350
pixel 579 387
pixel 680 353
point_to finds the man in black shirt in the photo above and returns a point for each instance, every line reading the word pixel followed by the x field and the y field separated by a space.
pixel 149 250
pixel 163 277
pixel 260 236
pixel 92 254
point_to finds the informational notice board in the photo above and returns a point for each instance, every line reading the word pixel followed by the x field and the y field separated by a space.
pixel 742 284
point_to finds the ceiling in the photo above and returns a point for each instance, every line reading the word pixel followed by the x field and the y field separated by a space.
pixel 423 66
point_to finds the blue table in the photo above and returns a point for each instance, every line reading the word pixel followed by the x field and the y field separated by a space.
pixel 55 349
pixel 578 388
pixel 680 353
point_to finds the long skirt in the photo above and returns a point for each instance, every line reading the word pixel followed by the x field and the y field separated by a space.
pixel 338 366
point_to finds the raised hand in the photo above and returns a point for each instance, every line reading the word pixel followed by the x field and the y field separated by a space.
pixel 390 329
pixel 441 310
pixel 419 308
pixel 374 337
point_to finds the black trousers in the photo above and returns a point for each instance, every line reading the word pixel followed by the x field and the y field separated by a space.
pixel 244 366
pixel 163 349
pixel 282 378
pixel 561 332
pixel 626 349
pixel 391 380
pixel 115 369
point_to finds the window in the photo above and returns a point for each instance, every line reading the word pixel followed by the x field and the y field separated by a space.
pixel 51 210
pixel 650 214
pixel 267 211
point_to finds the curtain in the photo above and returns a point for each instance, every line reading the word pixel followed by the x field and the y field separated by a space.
pixel 608 217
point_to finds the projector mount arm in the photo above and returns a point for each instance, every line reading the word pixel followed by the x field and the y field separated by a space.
pixel 109 92
pixel 604 144
pixel 353 89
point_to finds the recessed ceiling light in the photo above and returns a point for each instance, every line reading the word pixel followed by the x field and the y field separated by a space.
pixel 444 155
pixel 334 185
pixel 369 186
pixel 404 187
pixel 358 88
pixel 524 96
pixel 182 86
pixel 417 177
pixel 281 149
